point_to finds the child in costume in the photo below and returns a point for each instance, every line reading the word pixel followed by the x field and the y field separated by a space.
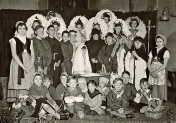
pixel 81 63
pixel 104 90
pixel 144 97
pixel 67 50
pixel 157 62
pixel 43 99
pixel 93 46
pixel 48 82
pixel 57 56
pixel 117 101
pixel 104 56
pixel 73 98
pixel 42 50
pixel 128 87
pixel 93 100
pixel 138 61
pixel 82 85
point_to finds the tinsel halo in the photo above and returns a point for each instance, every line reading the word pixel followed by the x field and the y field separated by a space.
pixel 112 15
pixel 141 27
pixel 62 25
pixel 30 22
pixel 83 19
pixel 124 26
pixel 89 26
pixel 57 15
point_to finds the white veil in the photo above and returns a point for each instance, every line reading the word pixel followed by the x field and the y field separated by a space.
pixel 78 62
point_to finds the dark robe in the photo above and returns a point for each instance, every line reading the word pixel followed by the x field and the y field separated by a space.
pixel 67 50
pixel 57 55
pixel 104 57
pixel 94 47
pixel 42 51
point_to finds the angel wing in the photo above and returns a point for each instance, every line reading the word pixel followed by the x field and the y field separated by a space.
pixel 62 25
pixel 124 28
pixel 30 21
pixel 112 15
pixel 141 27
pixel 83 19
pixel 89 26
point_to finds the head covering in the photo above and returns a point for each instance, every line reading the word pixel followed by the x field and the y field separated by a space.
pixel 162 37
pixel 19 22
pixel 82 80
pixel 104 79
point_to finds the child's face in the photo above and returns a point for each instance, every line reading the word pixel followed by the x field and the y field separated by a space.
pixel 95 37
pixel 144 86
pixel 83 52
pixel 65 37
pixel 40 32
pixel 137 44
pixel 72 83
pixel 51 31
pixel 106 19
pixel 133 24
pixel 126 78
pixel 118 29
pixel 79 27
pixel 46 82
pixel 118 85
pixel 21 30
pixel 56 27
pixel 38 80
pixel 102 83
pixel 82 84
pixel 91 87
pixel 35 24
pixel 63 80
pixel 159 42
pixel 109 40
pixel 72 36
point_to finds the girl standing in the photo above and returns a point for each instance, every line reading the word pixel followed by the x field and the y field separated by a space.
pixel 22 64
pixel 157 62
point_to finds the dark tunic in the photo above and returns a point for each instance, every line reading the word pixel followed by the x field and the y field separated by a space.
pixel 56 56
pixel 42 50
pixel 52 92
pixel 94 47
pixel 115 103
pixel 104 56
pixel 130 91
pixel 67 50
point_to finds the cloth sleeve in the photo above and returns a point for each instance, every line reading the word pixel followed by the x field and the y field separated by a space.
pixel 59 92
pixel 125 102
pixel 52 92
pixel 166 54
pixel 99 101
pixel 101 55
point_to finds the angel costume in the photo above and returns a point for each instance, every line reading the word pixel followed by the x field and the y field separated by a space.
pixel 20 81
pixel 81 63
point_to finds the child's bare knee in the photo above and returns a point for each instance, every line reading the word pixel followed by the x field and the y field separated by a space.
pixel 81 114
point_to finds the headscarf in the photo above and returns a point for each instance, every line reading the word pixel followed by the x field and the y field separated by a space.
pixel 162 37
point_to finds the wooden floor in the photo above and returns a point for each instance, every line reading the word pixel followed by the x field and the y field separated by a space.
pixel 139 118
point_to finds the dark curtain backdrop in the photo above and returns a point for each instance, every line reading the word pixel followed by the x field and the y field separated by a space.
pixel 8 19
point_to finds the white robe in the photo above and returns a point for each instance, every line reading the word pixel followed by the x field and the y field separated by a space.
pixel 79 67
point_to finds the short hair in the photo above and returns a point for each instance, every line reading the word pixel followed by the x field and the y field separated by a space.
pixel 109 34
pixel 117 79
pixel 71 78
pixel 134 19
pixel 143 80
pixel 55 23
pixel 72 31
pixel 48 77
pixel 64 74
pixel 38 74
pixel 38 27
pixel 106 14
pixel 36 21
pixel 93 82
pixel 138 38
pixel 65 32
pixel 126 72
pixel 84 48
pixel 50 26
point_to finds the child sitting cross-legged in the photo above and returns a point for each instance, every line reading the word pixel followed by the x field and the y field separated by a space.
pixel 93 100
pixel 43 99
pixel 104 90
pixel 143 97
pixel 73 98
pixel 117 101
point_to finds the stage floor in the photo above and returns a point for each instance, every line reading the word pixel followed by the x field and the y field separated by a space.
pixel 139 118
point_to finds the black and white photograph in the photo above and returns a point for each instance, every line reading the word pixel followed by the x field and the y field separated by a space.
pixel 87 61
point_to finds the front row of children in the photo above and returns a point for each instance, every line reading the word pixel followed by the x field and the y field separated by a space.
pixel 76 96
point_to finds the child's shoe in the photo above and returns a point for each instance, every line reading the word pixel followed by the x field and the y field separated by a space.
pixel 130 115
pixel 64 117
